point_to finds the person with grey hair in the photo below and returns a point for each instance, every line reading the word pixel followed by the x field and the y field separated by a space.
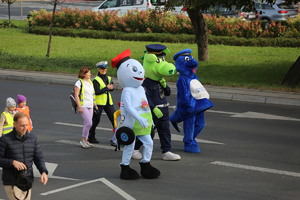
pixel 17 161
pixel 6 118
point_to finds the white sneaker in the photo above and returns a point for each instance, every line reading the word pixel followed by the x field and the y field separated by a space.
pixel 170 156
pixel 89 144
pixel 85 144
pixel 136 154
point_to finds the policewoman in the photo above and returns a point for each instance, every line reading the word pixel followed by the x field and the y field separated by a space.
pixel 103 85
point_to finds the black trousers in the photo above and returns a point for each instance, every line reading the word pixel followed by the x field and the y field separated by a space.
pixel 109 110
pixel 163 129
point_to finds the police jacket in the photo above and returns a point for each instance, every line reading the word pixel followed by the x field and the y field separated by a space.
pixel 156 93
pixel 102 91
pixel 24 149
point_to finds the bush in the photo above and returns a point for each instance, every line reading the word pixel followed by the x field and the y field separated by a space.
pixel 158 21
pixel 7 24
pixel 165 37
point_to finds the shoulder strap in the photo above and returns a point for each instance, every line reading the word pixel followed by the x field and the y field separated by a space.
pixel 81 86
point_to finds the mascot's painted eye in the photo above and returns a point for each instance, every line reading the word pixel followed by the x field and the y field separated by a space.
pixel 134 69
pixel 163 58
pixel 187 58
pixel 158 60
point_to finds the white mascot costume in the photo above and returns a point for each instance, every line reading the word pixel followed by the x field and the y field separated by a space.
pixel 135 119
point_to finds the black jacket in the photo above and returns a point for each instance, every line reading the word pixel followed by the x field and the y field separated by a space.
pixel 155 92
pixel 97 89
pixel 13 147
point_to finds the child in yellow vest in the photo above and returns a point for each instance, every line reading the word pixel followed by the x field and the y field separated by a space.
pixel 7 117
pixel 23 108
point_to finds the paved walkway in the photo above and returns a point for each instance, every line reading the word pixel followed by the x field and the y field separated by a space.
pixel 228 93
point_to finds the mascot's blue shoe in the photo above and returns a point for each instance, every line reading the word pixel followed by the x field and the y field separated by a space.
pixel 192 148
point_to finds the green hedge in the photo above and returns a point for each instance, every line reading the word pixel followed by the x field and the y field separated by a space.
pixel 164 37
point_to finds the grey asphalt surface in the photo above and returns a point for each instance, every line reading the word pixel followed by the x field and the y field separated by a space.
pixel 265 144
pixel 216 92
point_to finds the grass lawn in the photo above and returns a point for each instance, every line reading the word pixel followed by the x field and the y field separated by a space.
pixel 251 67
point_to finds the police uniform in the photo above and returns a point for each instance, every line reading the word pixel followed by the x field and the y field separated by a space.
pixel 103 100
pixel 156 95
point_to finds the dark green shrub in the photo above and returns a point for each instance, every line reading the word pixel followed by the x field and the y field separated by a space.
pixel 165 37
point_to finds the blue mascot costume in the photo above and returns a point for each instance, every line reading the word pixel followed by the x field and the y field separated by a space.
pixel 192 100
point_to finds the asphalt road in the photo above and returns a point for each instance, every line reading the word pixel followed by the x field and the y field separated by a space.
pixel 249 151
pixel 20 9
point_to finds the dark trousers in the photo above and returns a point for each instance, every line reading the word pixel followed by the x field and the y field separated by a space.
pixel 163 129
pixel 109 110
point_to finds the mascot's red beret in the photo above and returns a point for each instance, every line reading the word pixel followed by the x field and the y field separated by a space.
pixel 119 59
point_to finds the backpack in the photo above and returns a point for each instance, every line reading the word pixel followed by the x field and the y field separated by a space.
pixel 73 100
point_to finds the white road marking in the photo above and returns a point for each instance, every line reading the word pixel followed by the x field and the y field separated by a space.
pixel 117 189
pixel 103 180
pixel 51 168
pixel 100 146
pixel 78 125
pixel 260 169
pixel 221 112
pixel 175 137
pixel 255 115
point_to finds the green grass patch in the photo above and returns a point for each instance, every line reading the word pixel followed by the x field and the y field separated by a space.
pixel 251 67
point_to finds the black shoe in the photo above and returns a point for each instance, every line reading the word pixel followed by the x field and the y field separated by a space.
pixel 93 141
pixel 149 172
pixel 128 173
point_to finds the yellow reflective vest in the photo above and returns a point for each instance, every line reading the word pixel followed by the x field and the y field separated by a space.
pixel 81 96
pixel 102 98
pixel 10 123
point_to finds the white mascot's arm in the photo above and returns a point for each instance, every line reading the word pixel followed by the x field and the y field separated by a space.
pixel 130 108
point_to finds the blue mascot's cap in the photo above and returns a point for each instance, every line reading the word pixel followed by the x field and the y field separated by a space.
pixel 184 52
pixel 125 135
pixel 157 49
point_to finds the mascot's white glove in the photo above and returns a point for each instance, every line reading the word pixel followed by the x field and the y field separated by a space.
pixel 163 82
pixel 143 122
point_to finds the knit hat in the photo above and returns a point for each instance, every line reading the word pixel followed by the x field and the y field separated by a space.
pixel 20 98
pixel 10 102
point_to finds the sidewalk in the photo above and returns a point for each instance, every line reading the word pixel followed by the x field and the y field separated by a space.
pixel 227 93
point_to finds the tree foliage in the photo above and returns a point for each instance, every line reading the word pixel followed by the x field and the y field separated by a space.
pixel 195 8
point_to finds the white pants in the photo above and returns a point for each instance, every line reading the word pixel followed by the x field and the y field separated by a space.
pixel 147 152
pixel 10 191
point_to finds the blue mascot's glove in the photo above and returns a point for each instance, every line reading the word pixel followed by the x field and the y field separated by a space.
pixel 163 82
pixel 157 112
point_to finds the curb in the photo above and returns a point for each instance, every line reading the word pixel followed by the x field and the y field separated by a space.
pixel 216 92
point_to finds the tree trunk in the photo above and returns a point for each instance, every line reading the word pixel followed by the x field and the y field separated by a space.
pixel 201 33
pixel 8 12
pixel 51 27
pixel 292 77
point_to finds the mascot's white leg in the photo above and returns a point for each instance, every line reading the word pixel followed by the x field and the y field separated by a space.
pixel 148 147
pixel 147 170
pixel 127 153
